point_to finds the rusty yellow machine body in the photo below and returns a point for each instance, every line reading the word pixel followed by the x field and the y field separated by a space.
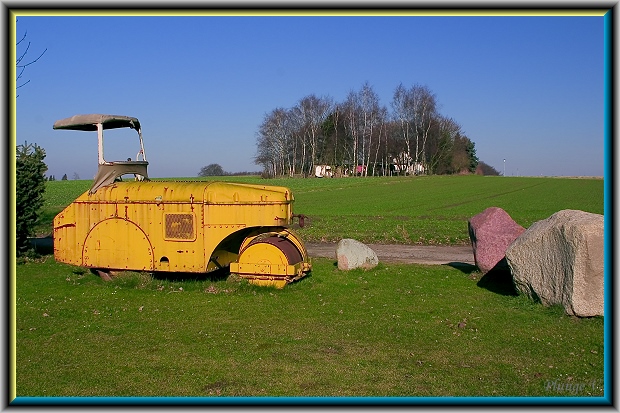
pixel 178 226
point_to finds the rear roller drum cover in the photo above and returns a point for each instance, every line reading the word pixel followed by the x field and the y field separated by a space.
pixel 271 260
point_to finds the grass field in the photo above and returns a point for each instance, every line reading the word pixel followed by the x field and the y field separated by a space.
pixel 397 330
pixel 403 210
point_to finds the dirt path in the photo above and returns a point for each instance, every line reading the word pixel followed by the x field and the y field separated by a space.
pixel 407 254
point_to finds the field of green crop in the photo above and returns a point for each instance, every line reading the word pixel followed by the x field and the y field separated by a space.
pixel 403 210
pixel 398 331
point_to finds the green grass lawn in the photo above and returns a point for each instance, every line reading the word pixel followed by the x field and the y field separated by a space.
pixel 398 330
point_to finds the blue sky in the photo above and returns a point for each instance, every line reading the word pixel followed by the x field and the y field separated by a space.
pixel 529 90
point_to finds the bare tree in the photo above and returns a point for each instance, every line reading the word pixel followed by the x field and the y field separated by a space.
pixel 415 109
pixel 312 112
pixel 401 113
pixel 353 127
pixel 369 106
pixel 373 118
pixel 336 117
pixel 424 109
pixel 22 63
pixel 337 141
pixel 382 134
pixel 277 143
pixel 440 149
pixel 361 132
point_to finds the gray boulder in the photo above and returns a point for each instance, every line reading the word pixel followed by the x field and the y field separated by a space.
pixel 353 254
pixel 560 260
pixel 491 232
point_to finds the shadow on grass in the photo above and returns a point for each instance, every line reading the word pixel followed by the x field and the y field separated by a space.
pixel 499 280
pixel 213 276
pixel 463 267
pixel 217 275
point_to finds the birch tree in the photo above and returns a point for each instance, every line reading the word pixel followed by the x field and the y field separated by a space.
pixel 403 116
pixel 273 142
pixel 359 131
pixel 423 106
pixel 415 110
pixel 382 134
pixel 370 116
pixel 352 127
pixel 312 112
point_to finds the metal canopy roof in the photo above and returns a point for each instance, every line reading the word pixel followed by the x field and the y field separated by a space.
pixel 89 122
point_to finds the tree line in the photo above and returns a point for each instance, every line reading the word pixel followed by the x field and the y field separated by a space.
pixel 360 136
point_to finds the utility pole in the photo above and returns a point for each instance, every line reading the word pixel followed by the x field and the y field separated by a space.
pixel 504 167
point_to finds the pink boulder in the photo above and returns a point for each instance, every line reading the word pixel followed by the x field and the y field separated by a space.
pixel 491 232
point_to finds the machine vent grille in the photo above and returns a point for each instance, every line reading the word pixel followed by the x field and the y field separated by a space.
pixel 180 226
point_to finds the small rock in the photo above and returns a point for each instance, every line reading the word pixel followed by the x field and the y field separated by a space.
pixel 353 254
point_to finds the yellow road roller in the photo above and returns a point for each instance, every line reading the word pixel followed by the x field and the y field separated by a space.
pixel 126 221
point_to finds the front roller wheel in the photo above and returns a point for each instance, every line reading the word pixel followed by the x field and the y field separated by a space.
pixel 272 259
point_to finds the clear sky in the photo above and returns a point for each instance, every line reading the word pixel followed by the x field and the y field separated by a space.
pixel 529 90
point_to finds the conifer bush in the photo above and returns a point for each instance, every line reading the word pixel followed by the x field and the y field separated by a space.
pixel 30 188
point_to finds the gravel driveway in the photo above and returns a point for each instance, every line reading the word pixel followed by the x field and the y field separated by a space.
pixel 408 254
